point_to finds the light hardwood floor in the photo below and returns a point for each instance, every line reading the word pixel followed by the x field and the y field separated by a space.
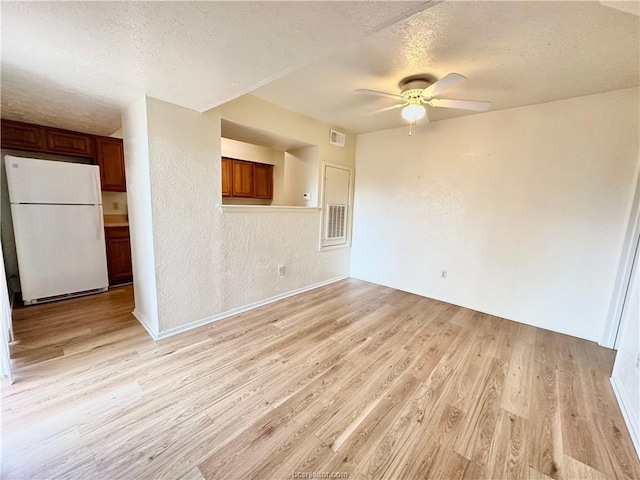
pixel 352 377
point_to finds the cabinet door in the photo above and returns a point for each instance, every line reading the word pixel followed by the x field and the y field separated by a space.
pixel 242 179
pixel 110 157
pixel 227 175
pixel 22 136
pixel 69 143
pixel 118 255
pixel 262 181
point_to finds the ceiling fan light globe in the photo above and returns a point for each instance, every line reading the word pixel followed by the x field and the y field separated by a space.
pixel 412 113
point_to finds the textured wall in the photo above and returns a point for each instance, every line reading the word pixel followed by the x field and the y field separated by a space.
pixel 136 154
pixel 208 262
pixel 258 242
pixel 185 225
pixel 525 208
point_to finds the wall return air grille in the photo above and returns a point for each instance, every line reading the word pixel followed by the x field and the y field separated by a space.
pixel 336 228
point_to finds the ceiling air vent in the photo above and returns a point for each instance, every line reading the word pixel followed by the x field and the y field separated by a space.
pixel 337 138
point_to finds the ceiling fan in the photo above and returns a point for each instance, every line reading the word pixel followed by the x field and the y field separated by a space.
pixel 415 92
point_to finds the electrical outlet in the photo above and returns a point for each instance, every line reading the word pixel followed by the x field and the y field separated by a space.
pixel 281 270
pixel 443 274
pixel 306 196
pixel 115 205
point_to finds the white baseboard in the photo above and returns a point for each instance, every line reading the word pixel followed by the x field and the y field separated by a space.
pixel 236 311
pixel 144 322
pixel 632 423
pixel 552 328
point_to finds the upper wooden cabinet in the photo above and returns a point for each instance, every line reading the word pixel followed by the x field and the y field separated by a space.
pixel 262 180
pixel 110 158
pixel 107 152
pixel 69 143
pixel 242 179
pixel 38 138
pixel 246 179
pixel 22 136
pixel 227 166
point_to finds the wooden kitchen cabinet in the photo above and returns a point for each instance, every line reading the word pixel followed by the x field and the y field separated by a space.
pixel 118 255
pixel 22 136
pixel 66 142
pixel 242 179
pixel 110 159
pixel 227 166
pixel 107 152
pixel 262 180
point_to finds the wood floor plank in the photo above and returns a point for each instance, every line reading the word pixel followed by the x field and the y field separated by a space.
pixel 362 442
pixel 193 474
pixel 578 432
pixel 535 475
pixel 508 457
pixel 580 471
pixel 428 419
pixel 351 377
pixel 516 395
pixel 474 441
pixel 616 443
pixel 355 411
pixel 545 422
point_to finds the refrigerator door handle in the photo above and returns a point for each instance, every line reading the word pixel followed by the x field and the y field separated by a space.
pixel 98 222
pixel 96 187
pixel 98 201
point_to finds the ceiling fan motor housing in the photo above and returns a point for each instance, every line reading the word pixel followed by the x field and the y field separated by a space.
pixel 413 89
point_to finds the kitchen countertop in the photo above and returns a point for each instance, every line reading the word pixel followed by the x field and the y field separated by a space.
pixel 115 221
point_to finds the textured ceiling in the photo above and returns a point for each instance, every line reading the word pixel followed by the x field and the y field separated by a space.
pixel 513 54
pixel 77 64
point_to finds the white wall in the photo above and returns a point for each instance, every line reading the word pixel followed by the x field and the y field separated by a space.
pixel 279 192
pixel 626 370
pixel 141 219
pixel 207 261
pixel 624 269
pixel 525 208
pixel 301 169
pixel 247 151
pixel 623 328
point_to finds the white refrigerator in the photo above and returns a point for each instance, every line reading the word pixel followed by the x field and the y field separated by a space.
pixel 58 227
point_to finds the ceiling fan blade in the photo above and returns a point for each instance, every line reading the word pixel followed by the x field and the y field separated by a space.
pixel 448 81
pixel 460 104
pixel 382 94
pixel 386 109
